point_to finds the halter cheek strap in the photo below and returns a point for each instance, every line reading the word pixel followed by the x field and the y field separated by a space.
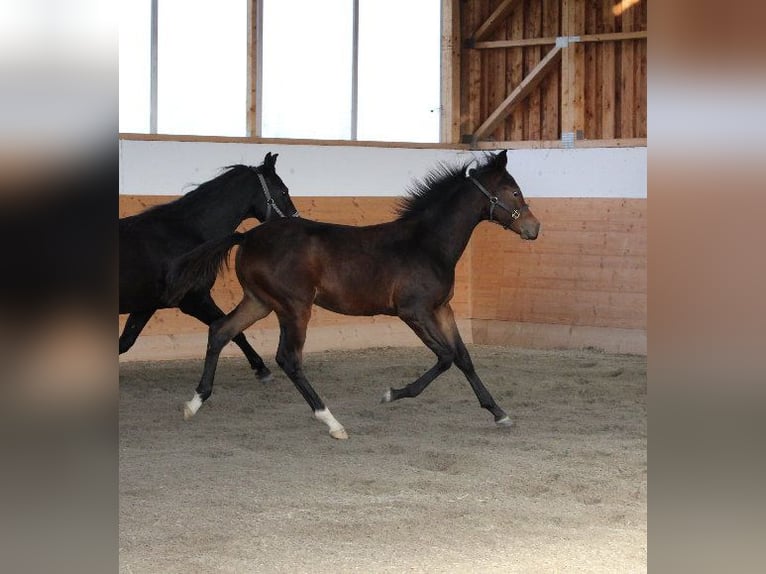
pixel 494 201
pixel 270 203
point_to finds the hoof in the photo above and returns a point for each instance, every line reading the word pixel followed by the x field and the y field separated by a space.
pixel 387 397
pixel 191 407
pixel 266 377
pixel 504 421
pixel 339 434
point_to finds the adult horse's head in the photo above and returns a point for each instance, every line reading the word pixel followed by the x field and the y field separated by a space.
pixel 272 198
pixel 505 202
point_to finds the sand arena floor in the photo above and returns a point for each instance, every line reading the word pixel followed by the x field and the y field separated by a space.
pixel 254 483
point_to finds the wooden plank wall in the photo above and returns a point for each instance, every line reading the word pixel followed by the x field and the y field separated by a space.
pixel 613 72
pixel 583 279
pixel 587 267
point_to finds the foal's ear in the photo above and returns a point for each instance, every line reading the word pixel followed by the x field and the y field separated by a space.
pixel 502 158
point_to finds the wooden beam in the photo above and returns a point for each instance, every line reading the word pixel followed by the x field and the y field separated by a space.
pixel 518 94
pixel 614 36
pixel 514 43
pixel 494 20
pixel 617 36
pixel 449 118
pixel 556 144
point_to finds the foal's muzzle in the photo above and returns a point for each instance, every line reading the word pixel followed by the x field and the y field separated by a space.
pixel 530 231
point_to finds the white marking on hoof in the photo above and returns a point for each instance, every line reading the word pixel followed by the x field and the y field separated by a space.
pixel 191 407
pixel 336 429
pixel 387 397
pixel 265 379
pixel 339 434
pixel 504 422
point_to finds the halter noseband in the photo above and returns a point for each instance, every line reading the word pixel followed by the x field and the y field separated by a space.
pixel 494 201
pixel 270 203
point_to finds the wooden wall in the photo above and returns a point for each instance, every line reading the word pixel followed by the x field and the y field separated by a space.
pixel 581 283
pixel 596 86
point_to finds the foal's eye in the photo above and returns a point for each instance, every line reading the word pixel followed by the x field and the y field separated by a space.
pixel 515 194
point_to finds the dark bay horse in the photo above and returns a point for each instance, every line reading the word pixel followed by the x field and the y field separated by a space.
pixel 150 240
pixel 405 267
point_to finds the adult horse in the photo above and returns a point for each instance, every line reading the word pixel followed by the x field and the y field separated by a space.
pixel 405 267
pixel 150 240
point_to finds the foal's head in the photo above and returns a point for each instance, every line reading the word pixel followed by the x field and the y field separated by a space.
pixel 505 203
pixel 271 198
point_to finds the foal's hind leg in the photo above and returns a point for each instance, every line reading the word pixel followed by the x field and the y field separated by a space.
pixel 290 358
pixel 221 332
pixel 202 307
pixel 133 327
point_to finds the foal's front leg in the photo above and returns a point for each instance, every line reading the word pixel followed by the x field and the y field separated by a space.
pixel 220 333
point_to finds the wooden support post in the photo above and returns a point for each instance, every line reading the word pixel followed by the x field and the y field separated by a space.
pixel 449 124
pixel 608 88
pixel 470 94
pixel 254 37
pixel 572 71
pixel 550 86
pixel 627 86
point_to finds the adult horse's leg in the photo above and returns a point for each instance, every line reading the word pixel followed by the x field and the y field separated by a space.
pixel 439 332
pixel 290 358
pixel 133 327
pixel 201 306
pixel 221 332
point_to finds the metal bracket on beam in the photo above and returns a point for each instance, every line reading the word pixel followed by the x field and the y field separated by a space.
pixel 564 41
pixel 568 139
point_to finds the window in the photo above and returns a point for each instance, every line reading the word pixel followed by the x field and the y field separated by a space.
pixel 336 69
pixel 306 79
pixel 201 67
pixel 135 62
pixel 399 70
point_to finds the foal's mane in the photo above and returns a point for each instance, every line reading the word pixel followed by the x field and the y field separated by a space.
pixel 200 193
pixel 436 187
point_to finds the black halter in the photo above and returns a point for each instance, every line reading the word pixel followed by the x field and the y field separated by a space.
pixel 270 203
pixel 494 201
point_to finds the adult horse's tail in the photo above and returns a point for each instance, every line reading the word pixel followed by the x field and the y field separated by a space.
pixel 198 268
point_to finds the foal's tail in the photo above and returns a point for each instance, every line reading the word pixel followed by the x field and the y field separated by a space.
pixel 198 268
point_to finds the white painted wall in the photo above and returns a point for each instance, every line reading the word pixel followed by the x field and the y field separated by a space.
pixel 173 168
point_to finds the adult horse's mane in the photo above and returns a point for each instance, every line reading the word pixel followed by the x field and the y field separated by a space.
pixel 182 204
pixel 435 188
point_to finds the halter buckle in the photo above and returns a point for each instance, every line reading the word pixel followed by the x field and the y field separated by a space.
pixel 515 214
